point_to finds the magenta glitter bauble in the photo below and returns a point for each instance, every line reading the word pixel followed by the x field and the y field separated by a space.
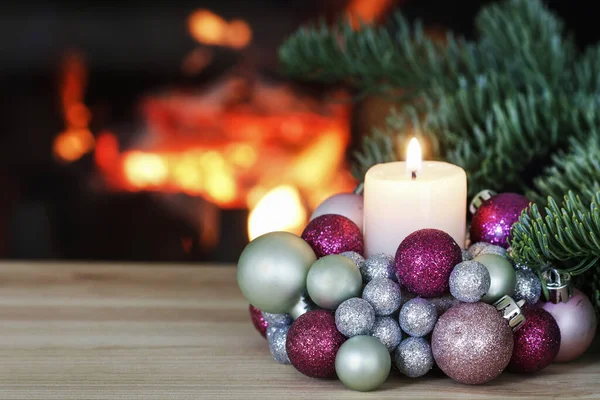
pixel 258 320
pixel 472 343
pixel 577 322
pixel 313 342
pixel 333 234
pixel 424 261
pixel 349 205
pixel 494 218
pixel 537 341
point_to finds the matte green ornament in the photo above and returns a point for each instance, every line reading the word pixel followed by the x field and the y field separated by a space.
pixel 502 277
pixel 363 363
pixel 332 280
pixel 272 271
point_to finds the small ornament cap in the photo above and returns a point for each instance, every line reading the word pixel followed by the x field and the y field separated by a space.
pixel 510 310
pixel 559 285
pixel 480 198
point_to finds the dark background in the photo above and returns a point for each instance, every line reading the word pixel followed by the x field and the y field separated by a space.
pixel 131 48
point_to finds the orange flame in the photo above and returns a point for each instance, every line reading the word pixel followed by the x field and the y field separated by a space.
pixel 211 29
pixel 76 140
pixel 367 11
pixel 281 209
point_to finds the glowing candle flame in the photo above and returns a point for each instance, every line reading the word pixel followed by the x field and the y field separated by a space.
pixel 280 209
pixel 413 157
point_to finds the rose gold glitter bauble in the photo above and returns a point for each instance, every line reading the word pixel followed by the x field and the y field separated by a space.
pixel 472 343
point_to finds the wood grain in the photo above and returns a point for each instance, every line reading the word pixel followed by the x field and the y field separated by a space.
pixel 106 331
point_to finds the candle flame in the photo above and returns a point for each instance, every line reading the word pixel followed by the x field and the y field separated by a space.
pixel 413 157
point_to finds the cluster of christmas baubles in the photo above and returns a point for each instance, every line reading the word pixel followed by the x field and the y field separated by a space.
pixel 329 312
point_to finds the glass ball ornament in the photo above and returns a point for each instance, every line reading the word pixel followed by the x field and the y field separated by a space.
pixel 485 248
pixel 384 295
pixel 387 330
pixel 258 320
pixel 495 217
pixel 348 205
pixel 303 305
pixel 413 357
pixel 354 317
pixel 418 317
pixel 272 271
pixel 424 261
pixel 313 342
pixel 472 343
pixel 577 322
pixel 528 286
pixel 502 277
pixel 469 281
pixel 537 341
pixel 333 234
pixel 332 280
pixel 277 342
pixel 378 266
pixel 363 363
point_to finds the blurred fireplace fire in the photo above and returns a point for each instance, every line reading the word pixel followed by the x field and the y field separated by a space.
pixel 242 142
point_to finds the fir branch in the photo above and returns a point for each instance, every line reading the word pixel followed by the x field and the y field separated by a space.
pixel 568 235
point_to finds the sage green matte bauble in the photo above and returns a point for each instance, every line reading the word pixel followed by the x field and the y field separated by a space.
pixel 363 363
pixel 272 269
pixel 332 280
pixel 502 276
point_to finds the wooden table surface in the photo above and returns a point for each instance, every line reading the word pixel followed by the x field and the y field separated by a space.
pixel 107 331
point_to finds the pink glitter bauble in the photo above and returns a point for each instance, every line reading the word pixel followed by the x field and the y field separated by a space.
pixel 472 343
pixel 494 218
pixel 348 205
pixel 258 320
pixel 577 322
pixel 333 234
pixel 424 261
pixel 313 342
pixel 536 342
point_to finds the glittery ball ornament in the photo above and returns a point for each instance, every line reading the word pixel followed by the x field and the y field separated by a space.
pixel 348 205
pixel 278 320
pixel 356 258
pixel 388 332
pixel 354 317
pixel 494 218
pixel 413 357
pixel 528 286
pixel 277 342
pixel 418 317
pixel 469 281
pixel 472 343
pixel 536 343
pixel 258 320
pixel 442 303
pixel 378 266
pixel 313 342
pixel 424 261
pixel 333 234
pixel 384 295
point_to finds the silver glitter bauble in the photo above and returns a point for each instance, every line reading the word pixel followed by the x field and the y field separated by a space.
pixel 303 305
pixel 277 339
pixel 278 320
pixel 413 357
pixel 388 332
pixel 528 286
pixel 418 317
pixel 469 281
pixel 379 266
pixel 486 248
pixel 355 257
pixel 354 317
pixel 466 256
pixel 443 303
pixel 384 295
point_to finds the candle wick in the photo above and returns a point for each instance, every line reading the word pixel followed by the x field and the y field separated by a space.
pixel 413 175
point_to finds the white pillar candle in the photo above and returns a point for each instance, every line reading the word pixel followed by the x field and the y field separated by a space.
pixel 403 197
